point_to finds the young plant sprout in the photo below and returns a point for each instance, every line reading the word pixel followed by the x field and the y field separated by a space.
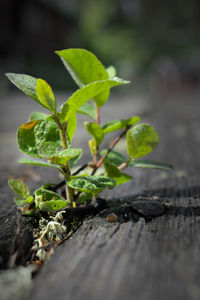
pixel 47 138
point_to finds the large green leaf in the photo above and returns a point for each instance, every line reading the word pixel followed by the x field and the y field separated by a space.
pixel 56 154
pixel 141 140
pixel 37 115
pixel 113 172
pixel 88 110
pixel 26 138
pixel 92 184
pixel 119 124
pixel 52 205
pixel 115 158
pixel 19 187
pixel 84 67
pixel 86 93
pixel 95 131
pixel 45 95
pixel 142 163
pixel 32 134
pixel 34 162
pixel 25 83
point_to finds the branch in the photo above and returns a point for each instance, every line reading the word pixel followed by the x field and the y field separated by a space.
pixel 114 142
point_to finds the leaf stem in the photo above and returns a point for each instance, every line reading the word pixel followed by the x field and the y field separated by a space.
pixel 97 113
pixel 124 165
pixel 114 142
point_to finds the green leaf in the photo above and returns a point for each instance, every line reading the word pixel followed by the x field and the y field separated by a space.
pixel 95 131
pixel 111 72
pixel 32 134
pixel 47 195
pixel 86 93
pixel 119 124
pixel 26 138
pixel 85 68
pixel 19 187
pixel 29 199
pixel 19 201
pixel 141 140
pixel 56 154
pixel 37 116
pixel 92 184
pixel 113 172
pixel 25 83
pixel 88 110
pixel 45 95
pixel 93 146
pixel 52 205
pixel 142 163
pixel 34 162
pixel 71 126
pixel 74 160
pixel 84 198
pixel 115 158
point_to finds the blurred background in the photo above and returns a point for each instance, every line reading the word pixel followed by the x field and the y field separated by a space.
pixel 140 37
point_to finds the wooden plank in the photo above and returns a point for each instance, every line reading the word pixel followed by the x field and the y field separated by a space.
pixel 131 260
pixel 134 259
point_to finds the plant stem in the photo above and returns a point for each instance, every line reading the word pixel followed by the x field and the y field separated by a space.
pixel 124 165
pixel 114 142
pixel 69 191
pixel 97 114
pixel 96 154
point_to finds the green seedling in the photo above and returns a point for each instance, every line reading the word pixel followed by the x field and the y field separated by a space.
pixel 47 138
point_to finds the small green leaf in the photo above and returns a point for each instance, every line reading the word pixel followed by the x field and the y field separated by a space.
pixel 32 134
pixel 119 124
pixel 34 162
pixel 95 131
pixel 86 93
pixel 142 163
pixel 19 201
pixel 37 116
pixel 47 195
pixel 52 205
pixel 115 158
pixel 93 146
pixel 29 199
pixel 92 184
pixel 45 95
pixel 56 154
pixel 141 140
pixel 84 198
pixel 88 110
pixel 111 72
pixel 19 187
pixel 71 126
pixel 25 83
pixel 74 160
pixel 113 172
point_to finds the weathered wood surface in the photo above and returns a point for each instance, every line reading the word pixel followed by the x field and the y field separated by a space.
pixel 140 260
